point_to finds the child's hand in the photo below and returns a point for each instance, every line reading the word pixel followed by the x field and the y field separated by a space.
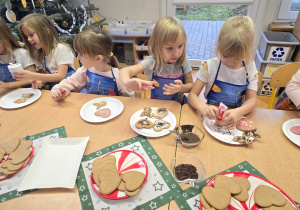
pixel 210 111
pixel 59 94
pixel 36 84
pixel 23 75
pixel 138 85
pixel 230 118
pixel 173 88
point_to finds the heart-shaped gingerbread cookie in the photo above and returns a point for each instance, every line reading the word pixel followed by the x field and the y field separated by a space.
pixel 228 183
pixel 265 196
pixel 109 182
pixel 133 180
pixel 243 124
pixel 218 198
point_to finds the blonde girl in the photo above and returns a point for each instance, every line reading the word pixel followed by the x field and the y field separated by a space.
pixel 230 78
pixel 99 73
pixel 12 52
pixel 167 68
pixel 42 41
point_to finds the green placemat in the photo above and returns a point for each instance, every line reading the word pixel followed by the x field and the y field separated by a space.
pixel 189 198
pixel 8 187
pixel 159 189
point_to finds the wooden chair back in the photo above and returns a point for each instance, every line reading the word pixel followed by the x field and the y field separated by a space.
pixel 146 94
pixel 260 78
pixel 281 77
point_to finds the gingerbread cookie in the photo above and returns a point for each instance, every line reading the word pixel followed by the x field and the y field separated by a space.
pixel 146 112
pixel 159 125
pixel 11 145
pixel 287 206
pixel 245 185
pixel 160 113
pixel 204 202
pixel 27 95
pixel 100 104
pixel 228 183
pixel 266 196
pixel 109 182
pixel 243 124
pixel 105 112
pixel 131 193
pixel 10 166
pixel 133 180
pixel 21 100
pixel 295 130
pixel 218 198
pixel 144 123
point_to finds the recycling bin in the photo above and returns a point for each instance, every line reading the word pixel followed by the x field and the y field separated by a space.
pixel 277 46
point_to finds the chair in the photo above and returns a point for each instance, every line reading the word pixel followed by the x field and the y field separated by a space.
pixel 281 77
pixel 76 63
pixel 260 78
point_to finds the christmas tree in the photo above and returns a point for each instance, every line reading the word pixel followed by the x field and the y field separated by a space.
pixel 67 19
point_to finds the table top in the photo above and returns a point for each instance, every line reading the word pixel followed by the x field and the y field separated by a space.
pixel 46 114
pixel 274 155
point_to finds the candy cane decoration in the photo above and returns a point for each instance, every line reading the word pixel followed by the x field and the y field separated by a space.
pixel 84 18
pixel 73 24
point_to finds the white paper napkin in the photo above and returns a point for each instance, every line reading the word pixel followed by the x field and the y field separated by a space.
pixel 56 164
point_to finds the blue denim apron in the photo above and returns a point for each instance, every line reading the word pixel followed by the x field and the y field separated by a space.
pixel 230 94
pixel 51 84
pixel 5 75
pixel 157 92
pixel 101 85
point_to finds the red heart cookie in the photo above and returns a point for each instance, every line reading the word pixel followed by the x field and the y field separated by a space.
pixel 243 124
pixel 295 130
pixel 103 112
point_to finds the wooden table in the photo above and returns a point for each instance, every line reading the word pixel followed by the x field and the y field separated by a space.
pixel 46 114
pixel 274 155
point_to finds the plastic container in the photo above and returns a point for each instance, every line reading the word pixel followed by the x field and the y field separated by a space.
pixel 138 27
pixel 15 67
pixel 116 28
pixel 277 46
pixel 267 67
pixel 189 135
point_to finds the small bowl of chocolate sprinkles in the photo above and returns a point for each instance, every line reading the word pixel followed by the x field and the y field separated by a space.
pixel 187 169
pixel 189 135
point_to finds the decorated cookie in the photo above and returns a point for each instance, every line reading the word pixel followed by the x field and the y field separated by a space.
pixel 105 112
pixel 27 95
pixel 146 112
pixel 144 123
pixel 266 196
pixel 160 113
pixel 228 183
pixel 159 125
pixel 100 104
pixel 295 129
pixel 218 198
pixel 243 124
pixel 21 100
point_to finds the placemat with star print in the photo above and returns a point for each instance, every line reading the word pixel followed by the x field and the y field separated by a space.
pixel 159 189
pixel 8 187
pixel 189 198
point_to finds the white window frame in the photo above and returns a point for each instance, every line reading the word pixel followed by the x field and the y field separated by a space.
pixel 284 12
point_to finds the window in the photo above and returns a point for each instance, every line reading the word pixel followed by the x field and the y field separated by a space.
pixel 288 10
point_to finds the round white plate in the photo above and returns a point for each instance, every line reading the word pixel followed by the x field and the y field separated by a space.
pixel 170 117
pixel 221 133
pixel 7 101
pixel 87 111
pixel 286 130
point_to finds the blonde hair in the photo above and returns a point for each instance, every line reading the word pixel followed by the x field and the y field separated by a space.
pixel 8 40
pixel 236 38
pixel 93 42
pixel 166 30
pixel 46 32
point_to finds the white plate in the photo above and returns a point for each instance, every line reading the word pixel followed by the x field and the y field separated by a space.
pixel 222 133
pixel 7 101
pixel 170 117
pixel 56 164
pixel 286 130
pixel 87 111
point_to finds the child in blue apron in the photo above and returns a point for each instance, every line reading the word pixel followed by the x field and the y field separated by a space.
pixel 42 41
pixel 167 67
pixel 289 99
pixel 99 73
pixel 230 78
pixel 12 52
